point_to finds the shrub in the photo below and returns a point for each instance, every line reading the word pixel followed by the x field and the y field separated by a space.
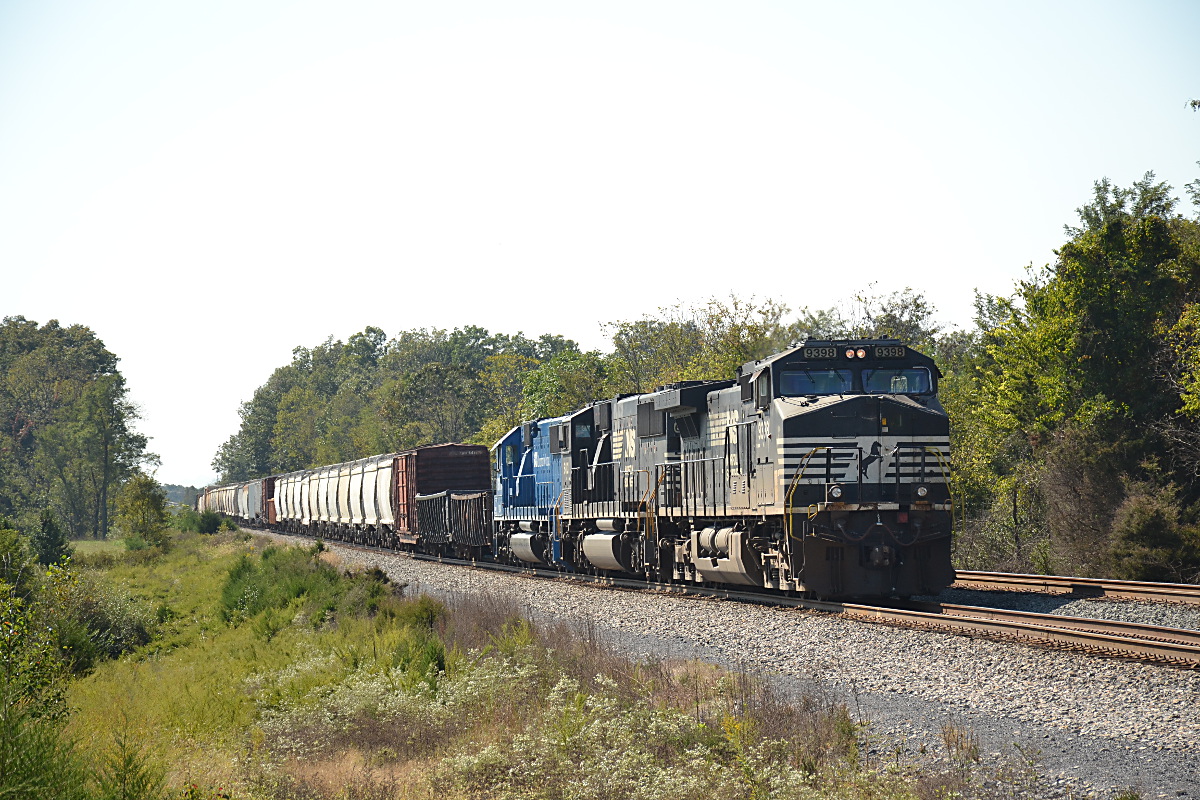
pixel 210 521
pixel 127 771
pixel 188 520
pixel 18 567
pixel 1148 541
pixel 36 760
pixel 296 579
pixel 91 621
pixel 185 519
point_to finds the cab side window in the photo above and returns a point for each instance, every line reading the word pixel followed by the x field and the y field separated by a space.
pixel 762 389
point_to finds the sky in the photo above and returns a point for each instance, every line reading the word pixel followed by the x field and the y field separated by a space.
pixel 208 185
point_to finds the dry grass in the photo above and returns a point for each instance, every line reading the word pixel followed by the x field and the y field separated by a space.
pixel 352 775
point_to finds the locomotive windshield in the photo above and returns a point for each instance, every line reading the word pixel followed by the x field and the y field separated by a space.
pixel 815 381
pixel 893 380
pixel 911 380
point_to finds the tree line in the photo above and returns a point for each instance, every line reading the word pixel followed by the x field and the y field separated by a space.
pixel 340 401
pixel 1074 401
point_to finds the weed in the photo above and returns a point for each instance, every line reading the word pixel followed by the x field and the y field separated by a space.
pixel 962 743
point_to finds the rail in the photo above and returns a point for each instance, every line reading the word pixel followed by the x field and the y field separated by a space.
pixel 1188 593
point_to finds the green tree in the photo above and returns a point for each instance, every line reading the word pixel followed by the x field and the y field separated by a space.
pixel 567 381
pixel 295 432
pixel 905 315
pixel 704 342
pixel 502 384
pixel 340 401
pixel 142 511
pixel 1075 388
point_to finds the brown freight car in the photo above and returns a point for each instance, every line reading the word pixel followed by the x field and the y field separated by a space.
pixel 433 470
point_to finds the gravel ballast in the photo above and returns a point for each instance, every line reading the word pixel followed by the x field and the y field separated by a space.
pixel 1098 726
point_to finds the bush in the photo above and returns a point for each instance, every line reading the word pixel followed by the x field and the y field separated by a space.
pixel 188 520
pixel 128 772
pixel 36 760
pixel 142 511
pixel 185 519
pixel 1148 542
pixel 210 521
pixel 18 566
pixel 93 622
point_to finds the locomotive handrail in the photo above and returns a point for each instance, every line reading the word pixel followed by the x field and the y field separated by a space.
pixel 652 492
pixel 787 503
pixel 623 493
pixel 556 516
pixel 600 478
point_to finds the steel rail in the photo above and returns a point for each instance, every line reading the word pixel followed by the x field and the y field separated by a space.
pixel 1112 639
pixel 1130 630
pixel 1188 593
pixel 1071 633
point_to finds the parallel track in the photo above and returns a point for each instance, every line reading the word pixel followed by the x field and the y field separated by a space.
pixel 1173 646
pixel 1081 587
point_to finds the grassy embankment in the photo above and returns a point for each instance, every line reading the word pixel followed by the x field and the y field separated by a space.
pixel 273 674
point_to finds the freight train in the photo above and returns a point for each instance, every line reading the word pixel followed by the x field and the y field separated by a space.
pixel 822 470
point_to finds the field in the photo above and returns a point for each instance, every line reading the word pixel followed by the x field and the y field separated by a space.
pixel 91 547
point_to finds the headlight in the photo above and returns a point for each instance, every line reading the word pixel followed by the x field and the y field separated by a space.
pixel 922 491
pixel 850 352
pixel 835 492
pixel 861 353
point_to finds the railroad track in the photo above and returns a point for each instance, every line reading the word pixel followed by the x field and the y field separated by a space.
pixel 1176 646
pixel 1080 587
pixel 1107 638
